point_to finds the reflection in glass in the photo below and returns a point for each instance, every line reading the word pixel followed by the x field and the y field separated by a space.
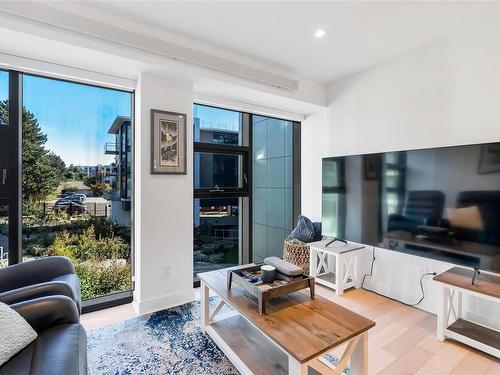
pixel 216 233
pixel 272 199
pixel 222 170
pixel 442 203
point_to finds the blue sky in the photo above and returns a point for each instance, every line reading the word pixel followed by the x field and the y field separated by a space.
pixel 3 85
pixel 216 114
pixel 75 117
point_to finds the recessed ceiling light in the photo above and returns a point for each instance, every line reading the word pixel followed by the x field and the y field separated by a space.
pixel 320 33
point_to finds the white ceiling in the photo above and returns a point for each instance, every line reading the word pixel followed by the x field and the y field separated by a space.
pixel 359 34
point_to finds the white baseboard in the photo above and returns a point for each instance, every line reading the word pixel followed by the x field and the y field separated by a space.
pixel 161 303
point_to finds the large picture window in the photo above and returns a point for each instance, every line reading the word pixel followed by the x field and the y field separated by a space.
pixel 76 182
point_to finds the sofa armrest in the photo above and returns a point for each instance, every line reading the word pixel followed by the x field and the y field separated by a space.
pixel 46 312
pixel 51 288
pixel 34 272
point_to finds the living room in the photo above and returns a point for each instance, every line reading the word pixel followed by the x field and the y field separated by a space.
pixel 155 155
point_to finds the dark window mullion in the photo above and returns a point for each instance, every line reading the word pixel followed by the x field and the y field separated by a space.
pixel 14 174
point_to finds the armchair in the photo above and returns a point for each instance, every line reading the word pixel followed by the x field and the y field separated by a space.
pixel 38 278
pixel 61 346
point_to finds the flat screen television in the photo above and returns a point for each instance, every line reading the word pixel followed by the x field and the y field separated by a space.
pixel 440 203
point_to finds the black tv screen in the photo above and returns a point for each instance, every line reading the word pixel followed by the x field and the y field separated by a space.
pixel 441 203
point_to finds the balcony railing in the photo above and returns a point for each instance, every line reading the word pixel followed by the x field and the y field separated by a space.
pixel 111 148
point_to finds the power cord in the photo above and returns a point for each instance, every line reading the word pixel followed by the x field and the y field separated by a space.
pixel 394 299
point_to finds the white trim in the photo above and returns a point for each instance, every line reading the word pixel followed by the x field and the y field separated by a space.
pixel 246 107
pixel 59 71
pixel 471 342
pixel 161 303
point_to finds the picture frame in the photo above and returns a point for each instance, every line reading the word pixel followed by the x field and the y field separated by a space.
pixel 489 161
pixel 371 166
pixel 168 142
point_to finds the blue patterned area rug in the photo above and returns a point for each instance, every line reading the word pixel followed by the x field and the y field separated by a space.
pixel 165 342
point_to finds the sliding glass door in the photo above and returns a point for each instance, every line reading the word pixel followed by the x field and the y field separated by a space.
pixel 75 184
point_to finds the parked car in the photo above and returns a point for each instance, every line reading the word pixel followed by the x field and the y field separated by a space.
pixel 69 206
pixel 78 198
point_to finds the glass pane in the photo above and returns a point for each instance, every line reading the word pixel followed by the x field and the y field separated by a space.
pixel 272 188
pixel 4 97
pixel 4 234
pixel 215 125
pixel 76 172
pixel 222 170
pixel 217 233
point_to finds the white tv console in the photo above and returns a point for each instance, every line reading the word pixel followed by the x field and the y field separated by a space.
pixel 451 324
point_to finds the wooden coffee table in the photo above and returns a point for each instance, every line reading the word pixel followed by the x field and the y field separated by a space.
pixel 292 338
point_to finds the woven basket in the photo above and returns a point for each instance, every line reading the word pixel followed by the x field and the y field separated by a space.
pixel 298 254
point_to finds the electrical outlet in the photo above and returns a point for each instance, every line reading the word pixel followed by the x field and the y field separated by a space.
pixel 166 272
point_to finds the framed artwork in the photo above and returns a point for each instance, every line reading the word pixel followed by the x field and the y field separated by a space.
pixel 371 166
pixel 168 142
pixel 489 162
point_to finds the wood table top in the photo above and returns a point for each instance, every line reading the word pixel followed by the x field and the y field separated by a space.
pixel 302 327
pixel 462 278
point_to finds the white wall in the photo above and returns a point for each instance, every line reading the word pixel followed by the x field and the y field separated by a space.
pixel 438 95
pixel 163 204
pixel 312 146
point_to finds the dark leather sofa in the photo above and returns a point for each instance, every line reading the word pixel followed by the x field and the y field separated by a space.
pixel 61 346
pixel 422 207
pixel 38 278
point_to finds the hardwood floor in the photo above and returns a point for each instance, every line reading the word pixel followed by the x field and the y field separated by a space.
pixel 403 341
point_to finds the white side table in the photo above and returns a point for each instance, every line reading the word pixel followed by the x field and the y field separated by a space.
pixel 335 266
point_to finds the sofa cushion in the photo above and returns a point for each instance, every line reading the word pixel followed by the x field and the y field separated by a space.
pixel 306 230
pixel 61 349
pixel 16 335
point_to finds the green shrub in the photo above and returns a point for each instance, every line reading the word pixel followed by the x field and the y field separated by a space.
pixel 101 278
pixel 38 250
pixel 85 246
pixel 32 208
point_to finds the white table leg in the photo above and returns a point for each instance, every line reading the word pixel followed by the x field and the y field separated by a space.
pixel 295 367
pixel 204 308
pixel 357 279
pixel 442 312
pixel 459 305
pixel 312 263
pixel 359 357
pixel 339 275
